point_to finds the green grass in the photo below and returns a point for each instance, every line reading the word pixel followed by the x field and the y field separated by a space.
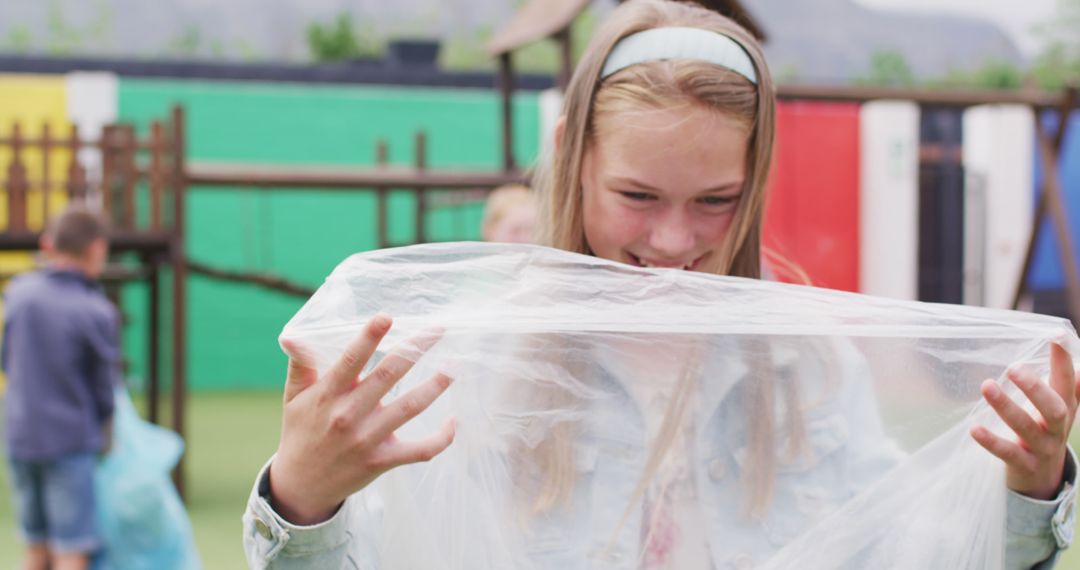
pixel 231 435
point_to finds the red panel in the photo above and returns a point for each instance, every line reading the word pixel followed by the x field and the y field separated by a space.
pixel 812 216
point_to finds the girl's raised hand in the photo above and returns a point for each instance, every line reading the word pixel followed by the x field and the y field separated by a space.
pixel 336 436
pixel 1035 462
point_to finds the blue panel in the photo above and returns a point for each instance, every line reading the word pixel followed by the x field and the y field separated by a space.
pixel 1047 271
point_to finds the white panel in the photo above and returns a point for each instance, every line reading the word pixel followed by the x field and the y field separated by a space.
pixel 999 163
pixel 92 103
pixel 889 199
pixel 91 100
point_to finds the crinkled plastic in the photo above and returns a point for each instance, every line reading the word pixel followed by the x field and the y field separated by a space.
pixel 142 521
pixel 619 417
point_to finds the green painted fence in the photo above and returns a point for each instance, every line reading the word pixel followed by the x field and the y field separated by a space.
pixel 300 234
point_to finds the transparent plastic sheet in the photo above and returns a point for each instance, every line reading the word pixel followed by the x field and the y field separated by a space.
pixel 620 417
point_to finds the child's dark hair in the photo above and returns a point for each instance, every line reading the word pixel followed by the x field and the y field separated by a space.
pixel 75 229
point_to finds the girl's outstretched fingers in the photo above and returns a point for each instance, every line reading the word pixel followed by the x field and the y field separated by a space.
pixel 336 436
pixel 1063 379
pixel 1035 460
pixel 301 373
pixel 425 449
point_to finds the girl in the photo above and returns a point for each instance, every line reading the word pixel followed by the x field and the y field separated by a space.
pixel 661 161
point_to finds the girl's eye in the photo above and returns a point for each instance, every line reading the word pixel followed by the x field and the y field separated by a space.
pixel 638 196
pixel 718 200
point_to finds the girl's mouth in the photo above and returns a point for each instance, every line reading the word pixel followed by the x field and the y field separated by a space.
pixel 645 262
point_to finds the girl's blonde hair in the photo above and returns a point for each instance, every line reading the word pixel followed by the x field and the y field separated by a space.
pixel 590 102
pixel 590 105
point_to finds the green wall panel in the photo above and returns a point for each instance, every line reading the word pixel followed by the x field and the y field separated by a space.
pixel 301 234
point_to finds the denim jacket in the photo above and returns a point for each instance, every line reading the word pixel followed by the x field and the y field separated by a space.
pixel 848 451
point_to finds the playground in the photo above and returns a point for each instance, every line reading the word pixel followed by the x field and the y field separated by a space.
pixel 234 193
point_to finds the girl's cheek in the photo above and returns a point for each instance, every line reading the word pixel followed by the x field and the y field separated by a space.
pixel 631 222
pixel 714 228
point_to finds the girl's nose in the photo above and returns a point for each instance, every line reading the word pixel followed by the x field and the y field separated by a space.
pixel 672 237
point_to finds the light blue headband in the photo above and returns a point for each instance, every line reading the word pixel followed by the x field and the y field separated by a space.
pixel 679 43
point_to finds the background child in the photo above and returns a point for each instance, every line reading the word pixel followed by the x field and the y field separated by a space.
pixel 510 215
pixel 61 354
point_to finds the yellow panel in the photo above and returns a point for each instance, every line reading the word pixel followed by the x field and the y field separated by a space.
pixel 33 101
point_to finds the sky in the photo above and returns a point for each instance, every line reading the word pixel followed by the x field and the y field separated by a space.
pixel 160 27
pixel 1018 23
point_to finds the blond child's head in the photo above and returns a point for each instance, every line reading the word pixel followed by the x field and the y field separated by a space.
pixel 510 215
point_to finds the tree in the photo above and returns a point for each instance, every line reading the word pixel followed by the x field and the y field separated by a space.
pixel 338 40
pixel 187 43
pixel 992 74
pixel 887 68
pixel 1058 63
pixel 63 39
pixel 19 39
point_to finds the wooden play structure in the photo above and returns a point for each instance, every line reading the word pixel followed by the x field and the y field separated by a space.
pixel 140 185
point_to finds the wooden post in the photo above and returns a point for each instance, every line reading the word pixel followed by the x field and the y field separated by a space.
pixel 157 148
pixel 382 157
pixel 153 377
pixel 76 183
pixel 46 183
pixel 108 169
pixel 421 192
pixel 128 177
pixel 506 91
pixel 178 259
pixel 566 57
pixel 18 184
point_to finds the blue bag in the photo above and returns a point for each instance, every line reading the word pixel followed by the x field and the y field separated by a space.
pixel 142 520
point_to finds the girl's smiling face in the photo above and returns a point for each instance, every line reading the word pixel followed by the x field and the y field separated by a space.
pixel 661 187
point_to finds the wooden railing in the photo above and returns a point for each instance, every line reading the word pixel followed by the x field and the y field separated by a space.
pixel 129 170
